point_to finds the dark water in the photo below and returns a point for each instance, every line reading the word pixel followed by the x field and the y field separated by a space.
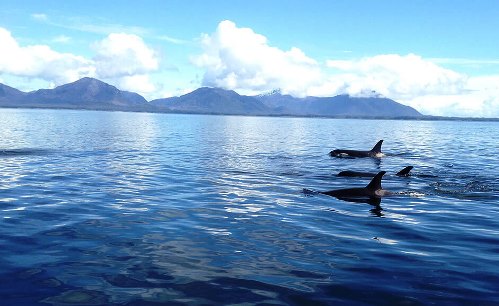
pixel 107 208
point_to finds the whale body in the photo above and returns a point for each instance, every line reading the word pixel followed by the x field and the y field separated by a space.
pixel 374 152
pixel 403 172
pixel 372 193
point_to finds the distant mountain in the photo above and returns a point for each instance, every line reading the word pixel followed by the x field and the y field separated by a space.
pixel 10 96
pixel 86 93
pixel 207 100
pixel 89 93
pixel 338 106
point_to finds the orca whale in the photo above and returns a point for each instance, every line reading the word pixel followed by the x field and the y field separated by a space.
pixel 372 193
pixel 403 172
pixel 374 152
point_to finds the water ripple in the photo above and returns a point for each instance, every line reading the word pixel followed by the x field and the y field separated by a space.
pixel 128 209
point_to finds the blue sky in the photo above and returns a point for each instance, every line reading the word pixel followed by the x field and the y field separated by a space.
pixel 440 57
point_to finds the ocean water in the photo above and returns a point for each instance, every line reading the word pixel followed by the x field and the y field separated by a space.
pixel 111 208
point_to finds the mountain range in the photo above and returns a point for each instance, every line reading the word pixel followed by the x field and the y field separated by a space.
pixel 93 94
pixel 86 93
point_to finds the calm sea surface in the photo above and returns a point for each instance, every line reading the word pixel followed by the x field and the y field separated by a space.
pixel 110 208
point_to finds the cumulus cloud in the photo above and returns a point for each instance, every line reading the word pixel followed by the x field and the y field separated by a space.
pixel 140 83
pixel 417 82
pixel 40 61
pixel 397 76
pixel 240 59
pixel 480 98
pixel 420 83
pixel 409 79
pixel 121 54
pixel 122 59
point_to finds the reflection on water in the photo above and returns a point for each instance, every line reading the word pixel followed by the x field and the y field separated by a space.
pixel 117 208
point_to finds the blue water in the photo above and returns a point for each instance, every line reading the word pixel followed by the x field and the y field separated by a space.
pixel 110 208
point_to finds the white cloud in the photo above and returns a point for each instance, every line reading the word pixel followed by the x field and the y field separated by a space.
pixel 40 61
pixel 140 83
pixel 121 55
pixel 480 98
pixel 123 60
pixel 397 76
pixel 465 61
pixel 240 59
pixel 419 83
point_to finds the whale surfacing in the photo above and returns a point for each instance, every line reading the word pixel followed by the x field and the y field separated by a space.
pixel 371 192
pixel 348 173
pixel 405 171
pixel 374 152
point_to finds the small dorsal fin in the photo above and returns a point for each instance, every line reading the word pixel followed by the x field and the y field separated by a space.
pixel 377 147
pixel 405 171
pixel 375 183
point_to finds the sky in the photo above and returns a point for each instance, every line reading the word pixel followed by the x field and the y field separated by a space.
pixel 440 57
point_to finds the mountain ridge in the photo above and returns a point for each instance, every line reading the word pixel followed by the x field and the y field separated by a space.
pixel 93 94
pixel 86 93
pixel 214 101
pixel 337 106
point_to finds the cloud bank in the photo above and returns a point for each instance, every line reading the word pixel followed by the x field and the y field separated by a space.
pixel 397 76
pixel 127 61
pixel 40 61
pixel 240 59
pixel 122 59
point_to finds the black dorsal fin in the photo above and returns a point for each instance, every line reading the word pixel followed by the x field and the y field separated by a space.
pixel 377 147
pixel 405 171
pixel 375 183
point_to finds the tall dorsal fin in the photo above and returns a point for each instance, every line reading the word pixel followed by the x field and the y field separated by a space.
pixel 375 183
pixel 377 147
pixel 405 171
